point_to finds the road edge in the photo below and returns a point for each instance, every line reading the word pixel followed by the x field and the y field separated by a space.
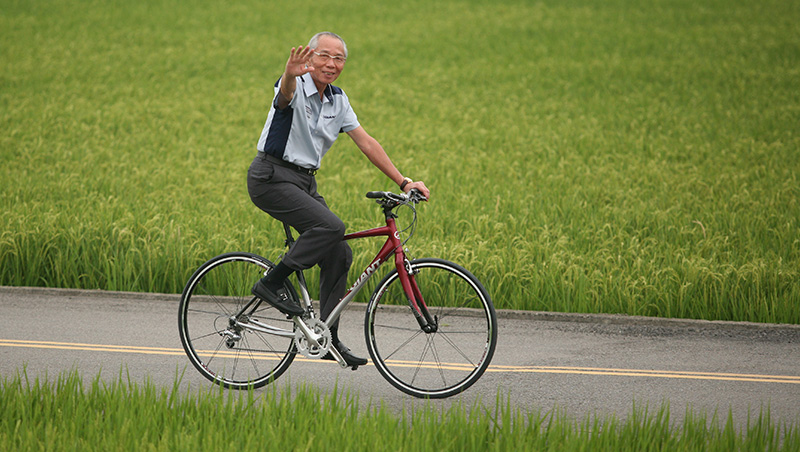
pixel 603 319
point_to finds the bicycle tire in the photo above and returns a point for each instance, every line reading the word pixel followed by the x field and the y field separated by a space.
pixel 442 363
pixel 218 289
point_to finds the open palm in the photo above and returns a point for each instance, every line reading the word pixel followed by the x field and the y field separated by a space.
pixel 297 64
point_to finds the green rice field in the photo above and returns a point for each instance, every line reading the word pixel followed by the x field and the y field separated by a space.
pixel 624 156
pixel 67 413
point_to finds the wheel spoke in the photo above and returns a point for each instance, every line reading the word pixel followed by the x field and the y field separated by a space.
pixel 436 358
pixel 203 336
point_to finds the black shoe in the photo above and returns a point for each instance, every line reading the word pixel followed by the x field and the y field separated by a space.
pixel 279 299
pixel 351 360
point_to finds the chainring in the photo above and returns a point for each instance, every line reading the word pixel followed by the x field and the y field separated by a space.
pixel 313 351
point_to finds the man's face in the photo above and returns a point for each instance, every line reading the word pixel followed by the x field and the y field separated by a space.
pixel 327 69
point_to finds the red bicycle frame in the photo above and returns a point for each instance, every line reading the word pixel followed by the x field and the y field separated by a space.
pixel 393 245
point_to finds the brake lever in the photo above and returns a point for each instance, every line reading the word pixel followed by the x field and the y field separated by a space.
pixel 416 196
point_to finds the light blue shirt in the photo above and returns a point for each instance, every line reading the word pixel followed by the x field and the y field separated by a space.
pixel 304 131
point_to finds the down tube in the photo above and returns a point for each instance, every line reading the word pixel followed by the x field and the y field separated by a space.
pixel 387 249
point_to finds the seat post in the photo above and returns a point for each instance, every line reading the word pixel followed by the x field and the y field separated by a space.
pixel 289 237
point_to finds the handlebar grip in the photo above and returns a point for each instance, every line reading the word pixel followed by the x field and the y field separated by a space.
pixel 375 195
pixel 417 195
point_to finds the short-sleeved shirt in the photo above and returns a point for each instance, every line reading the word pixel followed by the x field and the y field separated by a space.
pixel 303 132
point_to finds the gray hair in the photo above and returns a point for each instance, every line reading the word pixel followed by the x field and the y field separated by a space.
pixel 315 40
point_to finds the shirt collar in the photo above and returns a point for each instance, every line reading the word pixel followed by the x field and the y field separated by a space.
pixel 310 88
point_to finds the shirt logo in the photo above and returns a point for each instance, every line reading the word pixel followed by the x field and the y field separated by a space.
pixel 329 117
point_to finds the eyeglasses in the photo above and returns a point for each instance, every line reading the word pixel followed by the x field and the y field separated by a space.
pixel 339 60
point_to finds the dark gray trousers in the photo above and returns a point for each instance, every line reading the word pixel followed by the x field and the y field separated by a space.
pixel 291 197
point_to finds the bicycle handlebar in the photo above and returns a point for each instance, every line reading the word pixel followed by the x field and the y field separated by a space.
pixel 413 196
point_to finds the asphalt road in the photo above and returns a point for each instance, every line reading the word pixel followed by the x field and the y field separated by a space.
pixel 580 364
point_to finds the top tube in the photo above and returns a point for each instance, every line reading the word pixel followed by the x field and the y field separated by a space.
pixel 389 201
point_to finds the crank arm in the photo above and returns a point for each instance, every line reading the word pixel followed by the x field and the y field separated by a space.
pixel 338 356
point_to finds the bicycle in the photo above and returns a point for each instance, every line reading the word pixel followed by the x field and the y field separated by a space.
pixel 438 349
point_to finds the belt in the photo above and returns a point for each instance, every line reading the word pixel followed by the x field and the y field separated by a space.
pixel 285 164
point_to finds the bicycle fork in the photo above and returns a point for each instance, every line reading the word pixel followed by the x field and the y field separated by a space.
pixel 427 323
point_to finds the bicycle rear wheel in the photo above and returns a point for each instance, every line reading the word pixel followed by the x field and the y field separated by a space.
pixel 442 363
pixel 212 321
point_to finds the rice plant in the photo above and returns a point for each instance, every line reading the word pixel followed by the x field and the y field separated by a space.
pixel 627 156
pixel 67 413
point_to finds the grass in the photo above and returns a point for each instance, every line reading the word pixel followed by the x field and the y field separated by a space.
pixel 619 157
pixel 68 414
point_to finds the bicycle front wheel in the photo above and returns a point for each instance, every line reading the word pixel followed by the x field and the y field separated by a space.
pixel 214 319
pixel 446 361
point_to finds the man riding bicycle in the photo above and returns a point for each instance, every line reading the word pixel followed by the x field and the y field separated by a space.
pixel 306 116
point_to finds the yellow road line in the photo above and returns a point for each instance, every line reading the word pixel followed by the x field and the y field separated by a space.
pixel 649 373
pixel 447 366
pixel 91 347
